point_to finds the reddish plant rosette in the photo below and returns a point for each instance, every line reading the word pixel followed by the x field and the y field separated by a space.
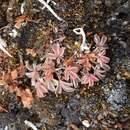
pixel 59 73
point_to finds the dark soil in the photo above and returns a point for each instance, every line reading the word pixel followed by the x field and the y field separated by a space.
pixel 106 105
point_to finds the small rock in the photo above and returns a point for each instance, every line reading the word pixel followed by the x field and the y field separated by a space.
pixel 86 123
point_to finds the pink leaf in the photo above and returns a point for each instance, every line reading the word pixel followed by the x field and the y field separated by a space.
pixel 58 90
pixel 65 86
pixel 41 88
pixel 100 42
pixel 103 40
pixel 106 67
pixel 71 73
pixel 89 79
pixel 49 69
pixel 102 59
pixel 50 85
pixel 51 56
pixel 99 72
pixel 57 52
pixel 34 75
pixel 96 39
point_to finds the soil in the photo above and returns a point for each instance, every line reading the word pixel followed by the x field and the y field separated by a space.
pixel 106 106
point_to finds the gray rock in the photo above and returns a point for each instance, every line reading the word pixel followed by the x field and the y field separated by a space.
pixel 117 96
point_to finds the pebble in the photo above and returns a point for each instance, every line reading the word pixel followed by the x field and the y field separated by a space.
pixel 86 123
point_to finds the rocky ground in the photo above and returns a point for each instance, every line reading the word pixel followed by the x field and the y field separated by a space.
pixel 106 106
